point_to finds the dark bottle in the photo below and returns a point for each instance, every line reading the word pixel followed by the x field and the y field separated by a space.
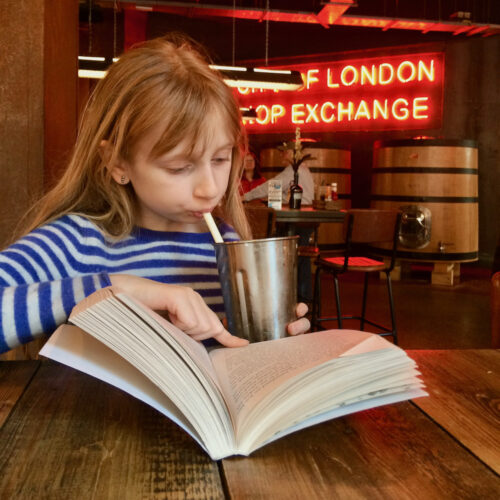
pixel 295 193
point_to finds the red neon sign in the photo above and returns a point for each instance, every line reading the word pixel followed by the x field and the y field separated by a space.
pixel 379 93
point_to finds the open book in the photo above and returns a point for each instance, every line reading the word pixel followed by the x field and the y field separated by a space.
pixel 231 400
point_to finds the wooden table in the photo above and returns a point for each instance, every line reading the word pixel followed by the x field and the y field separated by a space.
pixel 308 215
pixel 288 220
pixel 65 435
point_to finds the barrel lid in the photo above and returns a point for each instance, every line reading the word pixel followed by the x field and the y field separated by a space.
pixel 464 143
pixel 310 145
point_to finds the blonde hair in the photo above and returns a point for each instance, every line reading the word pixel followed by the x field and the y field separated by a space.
pixel 163 82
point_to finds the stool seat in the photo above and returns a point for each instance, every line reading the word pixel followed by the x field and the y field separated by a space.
pixel 354 263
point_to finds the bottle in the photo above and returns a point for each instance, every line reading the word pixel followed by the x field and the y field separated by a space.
pixel 328 195
pixel 296 191
pixel 322 191
pixel 335 195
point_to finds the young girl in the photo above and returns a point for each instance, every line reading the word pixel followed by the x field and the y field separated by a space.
pixel 160 144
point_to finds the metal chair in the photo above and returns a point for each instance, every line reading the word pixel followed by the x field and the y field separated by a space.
pixel 362 229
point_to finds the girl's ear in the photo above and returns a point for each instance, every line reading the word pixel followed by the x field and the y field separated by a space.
pixel 118 168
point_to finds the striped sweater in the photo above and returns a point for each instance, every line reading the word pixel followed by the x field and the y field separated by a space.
pixel 45 273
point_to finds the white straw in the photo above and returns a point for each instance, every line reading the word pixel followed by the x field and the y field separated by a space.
pixel 213 228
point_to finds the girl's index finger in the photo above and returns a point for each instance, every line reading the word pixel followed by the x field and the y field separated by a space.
pixel 228 340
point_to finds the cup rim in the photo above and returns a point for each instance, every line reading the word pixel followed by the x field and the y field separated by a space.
pixel 257 240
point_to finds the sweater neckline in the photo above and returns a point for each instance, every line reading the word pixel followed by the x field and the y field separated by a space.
pixel 143 233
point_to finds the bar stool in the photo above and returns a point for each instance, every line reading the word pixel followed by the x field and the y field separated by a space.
pixel 362 229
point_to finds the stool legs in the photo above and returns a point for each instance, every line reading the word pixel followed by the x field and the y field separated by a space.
pixel 391 305
pixel 337 300
pixel 363 304
pixel 316 305
pixel 316 318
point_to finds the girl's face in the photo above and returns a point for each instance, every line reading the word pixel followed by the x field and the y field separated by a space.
pixel 175 189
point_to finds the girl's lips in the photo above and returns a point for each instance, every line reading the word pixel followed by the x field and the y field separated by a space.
pixel 199 215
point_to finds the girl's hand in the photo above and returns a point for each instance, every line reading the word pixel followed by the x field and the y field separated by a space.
pixel 301 325
pixel 186 308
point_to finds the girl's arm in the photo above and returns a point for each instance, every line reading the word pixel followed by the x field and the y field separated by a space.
pixel 28 310
pixel 186 308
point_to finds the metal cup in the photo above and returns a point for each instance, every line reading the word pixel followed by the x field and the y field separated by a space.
pixel 259 286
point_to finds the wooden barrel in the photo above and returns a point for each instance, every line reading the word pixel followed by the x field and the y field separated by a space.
pixel 438 175
pixel 330 162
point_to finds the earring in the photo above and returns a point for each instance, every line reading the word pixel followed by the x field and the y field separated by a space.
pixel 123 180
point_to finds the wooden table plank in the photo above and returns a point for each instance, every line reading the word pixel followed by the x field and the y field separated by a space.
pixel 469 411
pixel 393 452
pixel 14 378
pixel 72 436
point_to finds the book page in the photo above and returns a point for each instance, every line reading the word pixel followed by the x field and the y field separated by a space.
pixel 340 411
pixel 294 382
pixel 247 374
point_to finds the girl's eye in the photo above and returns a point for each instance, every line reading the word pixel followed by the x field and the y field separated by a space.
pixel 179 170
pixel 222 159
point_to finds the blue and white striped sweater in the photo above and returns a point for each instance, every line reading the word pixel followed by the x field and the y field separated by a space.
pixel 47 272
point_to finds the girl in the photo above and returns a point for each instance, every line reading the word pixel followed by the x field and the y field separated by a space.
pixel 160 144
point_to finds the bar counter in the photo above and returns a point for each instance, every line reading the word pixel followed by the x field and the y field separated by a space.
pixel 64 434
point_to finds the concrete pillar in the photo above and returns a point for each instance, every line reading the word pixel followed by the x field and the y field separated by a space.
pixel 38 100
pixel 38 107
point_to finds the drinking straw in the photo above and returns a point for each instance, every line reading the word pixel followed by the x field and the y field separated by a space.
pixel 212 227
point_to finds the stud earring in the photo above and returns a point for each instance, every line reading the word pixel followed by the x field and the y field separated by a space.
pixel 123 180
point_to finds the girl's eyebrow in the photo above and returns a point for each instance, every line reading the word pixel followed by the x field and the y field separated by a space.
pixel 184 155
pixel 227 146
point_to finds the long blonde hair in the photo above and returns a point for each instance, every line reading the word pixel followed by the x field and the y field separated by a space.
pixel 167 82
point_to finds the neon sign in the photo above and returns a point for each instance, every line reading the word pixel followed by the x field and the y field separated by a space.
pixel 380 93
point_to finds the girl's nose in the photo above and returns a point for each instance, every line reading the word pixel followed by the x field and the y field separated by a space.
pixel 206 183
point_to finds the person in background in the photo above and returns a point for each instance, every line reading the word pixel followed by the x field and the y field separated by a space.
pixel 160 144
pixel 251 177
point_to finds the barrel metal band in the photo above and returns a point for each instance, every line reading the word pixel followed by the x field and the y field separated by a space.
pixel 430 256
pixel 424 170
pixel 426 199
pixel 329 170
pixel 314 170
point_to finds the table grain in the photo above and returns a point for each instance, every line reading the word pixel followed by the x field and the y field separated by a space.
pixel 64 435
pixel 392 452
pixel 464 389
pixel 14 378
pixel 442 446
pixel 74 437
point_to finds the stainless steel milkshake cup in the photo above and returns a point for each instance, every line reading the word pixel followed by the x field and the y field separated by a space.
pixel 259 286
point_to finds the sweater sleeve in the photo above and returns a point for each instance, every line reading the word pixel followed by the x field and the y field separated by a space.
pixel 40 283
pixel 29 310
